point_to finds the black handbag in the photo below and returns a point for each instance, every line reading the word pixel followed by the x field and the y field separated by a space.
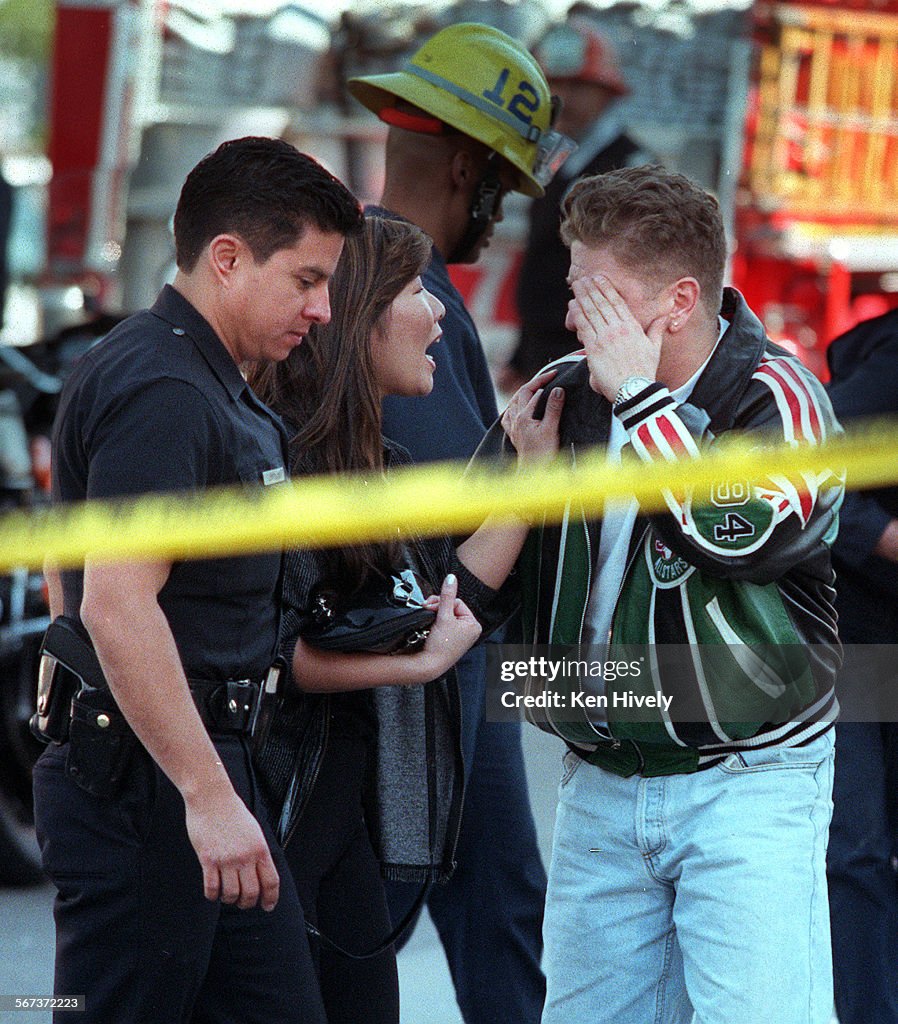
pixel 387 616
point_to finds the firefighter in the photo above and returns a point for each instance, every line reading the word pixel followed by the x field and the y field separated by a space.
pixel 470 119
pixel 583 71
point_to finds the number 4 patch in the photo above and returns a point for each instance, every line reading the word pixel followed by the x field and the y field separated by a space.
pixel 733 528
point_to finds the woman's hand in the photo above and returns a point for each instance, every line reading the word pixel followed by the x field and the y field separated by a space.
pixel 453 633
pixel 535 440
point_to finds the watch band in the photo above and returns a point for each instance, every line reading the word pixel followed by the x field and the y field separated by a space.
pixel 630 388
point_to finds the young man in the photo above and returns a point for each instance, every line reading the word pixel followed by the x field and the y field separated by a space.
pixel 173 899
pixel 688 863
pixel 470 119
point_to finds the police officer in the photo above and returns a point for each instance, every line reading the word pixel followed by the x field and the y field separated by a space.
pixel 862 856
pixel 173 903
pixel 470 119
pixel 6 202
pixel 583 71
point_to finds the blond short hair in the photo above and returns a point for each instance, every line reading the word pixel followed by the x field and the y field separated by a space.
pixel 656 223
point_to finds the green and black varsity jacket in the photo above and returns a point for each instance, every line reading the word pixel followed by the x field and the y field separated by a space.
pixel 739 577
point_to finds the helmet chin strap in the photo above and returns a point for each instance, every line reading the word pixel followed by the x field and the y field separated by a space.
pixel 484 204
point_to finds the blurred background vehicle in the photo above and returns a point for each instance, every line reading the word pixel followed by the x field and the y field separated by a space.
pixel 30 381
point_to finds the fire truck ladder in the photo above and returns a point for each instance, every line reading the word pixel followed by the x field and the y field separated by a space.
pixel 826 148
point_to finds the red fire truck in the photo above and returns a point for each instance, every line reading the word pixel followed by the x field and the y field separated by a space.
pixel 816 218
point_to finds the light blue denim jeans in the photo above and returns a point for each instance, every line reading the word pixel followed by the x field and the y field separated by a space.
pixel 701 893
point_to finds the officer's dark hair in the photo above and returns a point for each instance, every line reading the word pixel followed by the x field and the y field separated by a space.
pixel 658 224
pixel 263 190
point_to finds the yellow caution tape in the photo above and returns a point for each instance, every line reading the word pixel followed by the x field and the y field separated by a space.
pixel 428 500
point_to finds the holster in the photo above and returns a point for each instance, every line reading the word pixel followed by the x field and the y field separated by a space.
pixel 68 664
pixel 240 705
pixel 74 704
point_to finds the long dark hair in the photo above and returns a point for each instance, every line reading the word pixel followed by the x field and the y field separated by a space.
pixel 326 389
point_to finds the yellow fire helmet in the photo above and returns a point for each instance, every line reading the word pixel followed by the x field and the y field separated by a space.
pixel 481 82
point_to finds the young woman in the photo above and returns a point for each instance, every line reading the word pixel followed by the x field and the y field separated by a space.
pixel 373 780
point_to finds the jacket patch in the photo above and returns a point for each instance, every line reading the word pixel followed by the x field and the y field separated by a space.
pixel 666 568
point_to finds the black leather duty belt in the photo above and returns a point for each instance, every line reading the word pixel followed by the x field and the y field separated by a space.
pixel 225 706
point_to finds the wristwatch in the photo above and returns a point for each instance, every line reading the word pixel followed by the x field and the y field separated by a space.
pixel 630 389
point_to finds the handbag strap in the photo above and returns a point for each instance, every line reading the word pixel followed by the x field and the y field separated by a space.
pixel 383 946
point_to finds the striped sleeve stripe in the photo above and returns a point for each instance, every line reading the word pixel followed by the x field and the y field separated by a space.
pixel 664 437
pixel 652 445
pixel 783 505
pixel 786 402
pixel 802 420
pixel 796 404
pixel 814 413
pixel 646 444
pixel 677 436
pixel 799 494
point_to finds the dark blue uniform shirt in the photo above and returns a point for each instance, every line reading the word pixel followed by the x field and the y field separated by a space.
pixel 159 405
pixel 864 367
